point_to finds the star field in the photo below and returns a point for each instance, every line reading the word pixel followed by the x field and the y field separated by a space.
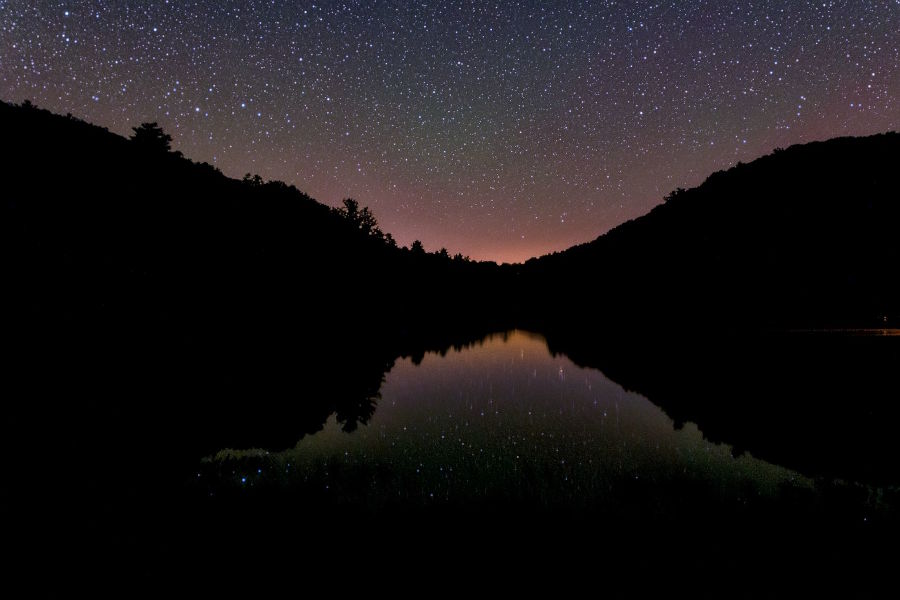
pixel 501 130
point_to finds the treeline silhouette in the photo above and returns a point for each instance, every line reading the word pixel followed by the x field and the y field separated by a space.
pixel 140 230
pixel 800 238
pixel 803 237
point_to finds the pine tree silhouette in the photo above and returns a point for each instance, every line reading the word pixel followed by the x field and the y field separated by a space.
pixel 152 137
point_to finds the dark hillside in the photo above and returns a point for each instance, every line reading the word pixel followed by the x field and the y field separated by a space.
pixel 804 237
pixel 125 230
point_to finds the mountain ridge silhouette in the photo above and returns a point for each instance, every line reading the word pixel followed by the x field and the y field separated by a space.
pixel 800 238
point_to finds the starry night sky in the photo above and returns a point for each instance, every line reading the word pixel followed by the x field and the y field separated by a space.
pixel 501 130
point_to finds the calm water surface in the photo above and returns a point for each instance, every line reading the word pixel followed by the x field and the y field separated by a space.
pixel 500 422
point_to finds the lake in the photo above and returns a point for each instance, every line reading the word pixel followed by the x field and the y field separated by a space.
pixel 492 456
pixel 505 424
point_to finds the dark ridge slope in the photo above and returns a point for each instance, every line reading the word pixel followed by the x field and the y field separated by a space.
pixel 118 227
pixel 804 237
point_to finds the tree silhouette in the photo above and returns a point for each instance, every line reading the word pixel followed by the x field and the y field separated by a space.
pixel 362 219
pixel 151 136
pixel 417 247
pixel 350 210
pixel 367 222
pixel 252 181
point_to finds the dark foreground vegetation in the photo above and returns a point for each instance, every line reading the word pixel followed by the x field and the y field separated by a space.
pixel 157 311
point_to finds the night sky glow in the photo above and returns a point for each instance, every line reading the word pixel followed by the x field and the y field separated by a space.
pixel 501 130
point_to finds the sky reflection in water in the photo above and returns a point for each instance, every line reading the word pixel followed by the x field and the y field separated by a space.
pixel 503 422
